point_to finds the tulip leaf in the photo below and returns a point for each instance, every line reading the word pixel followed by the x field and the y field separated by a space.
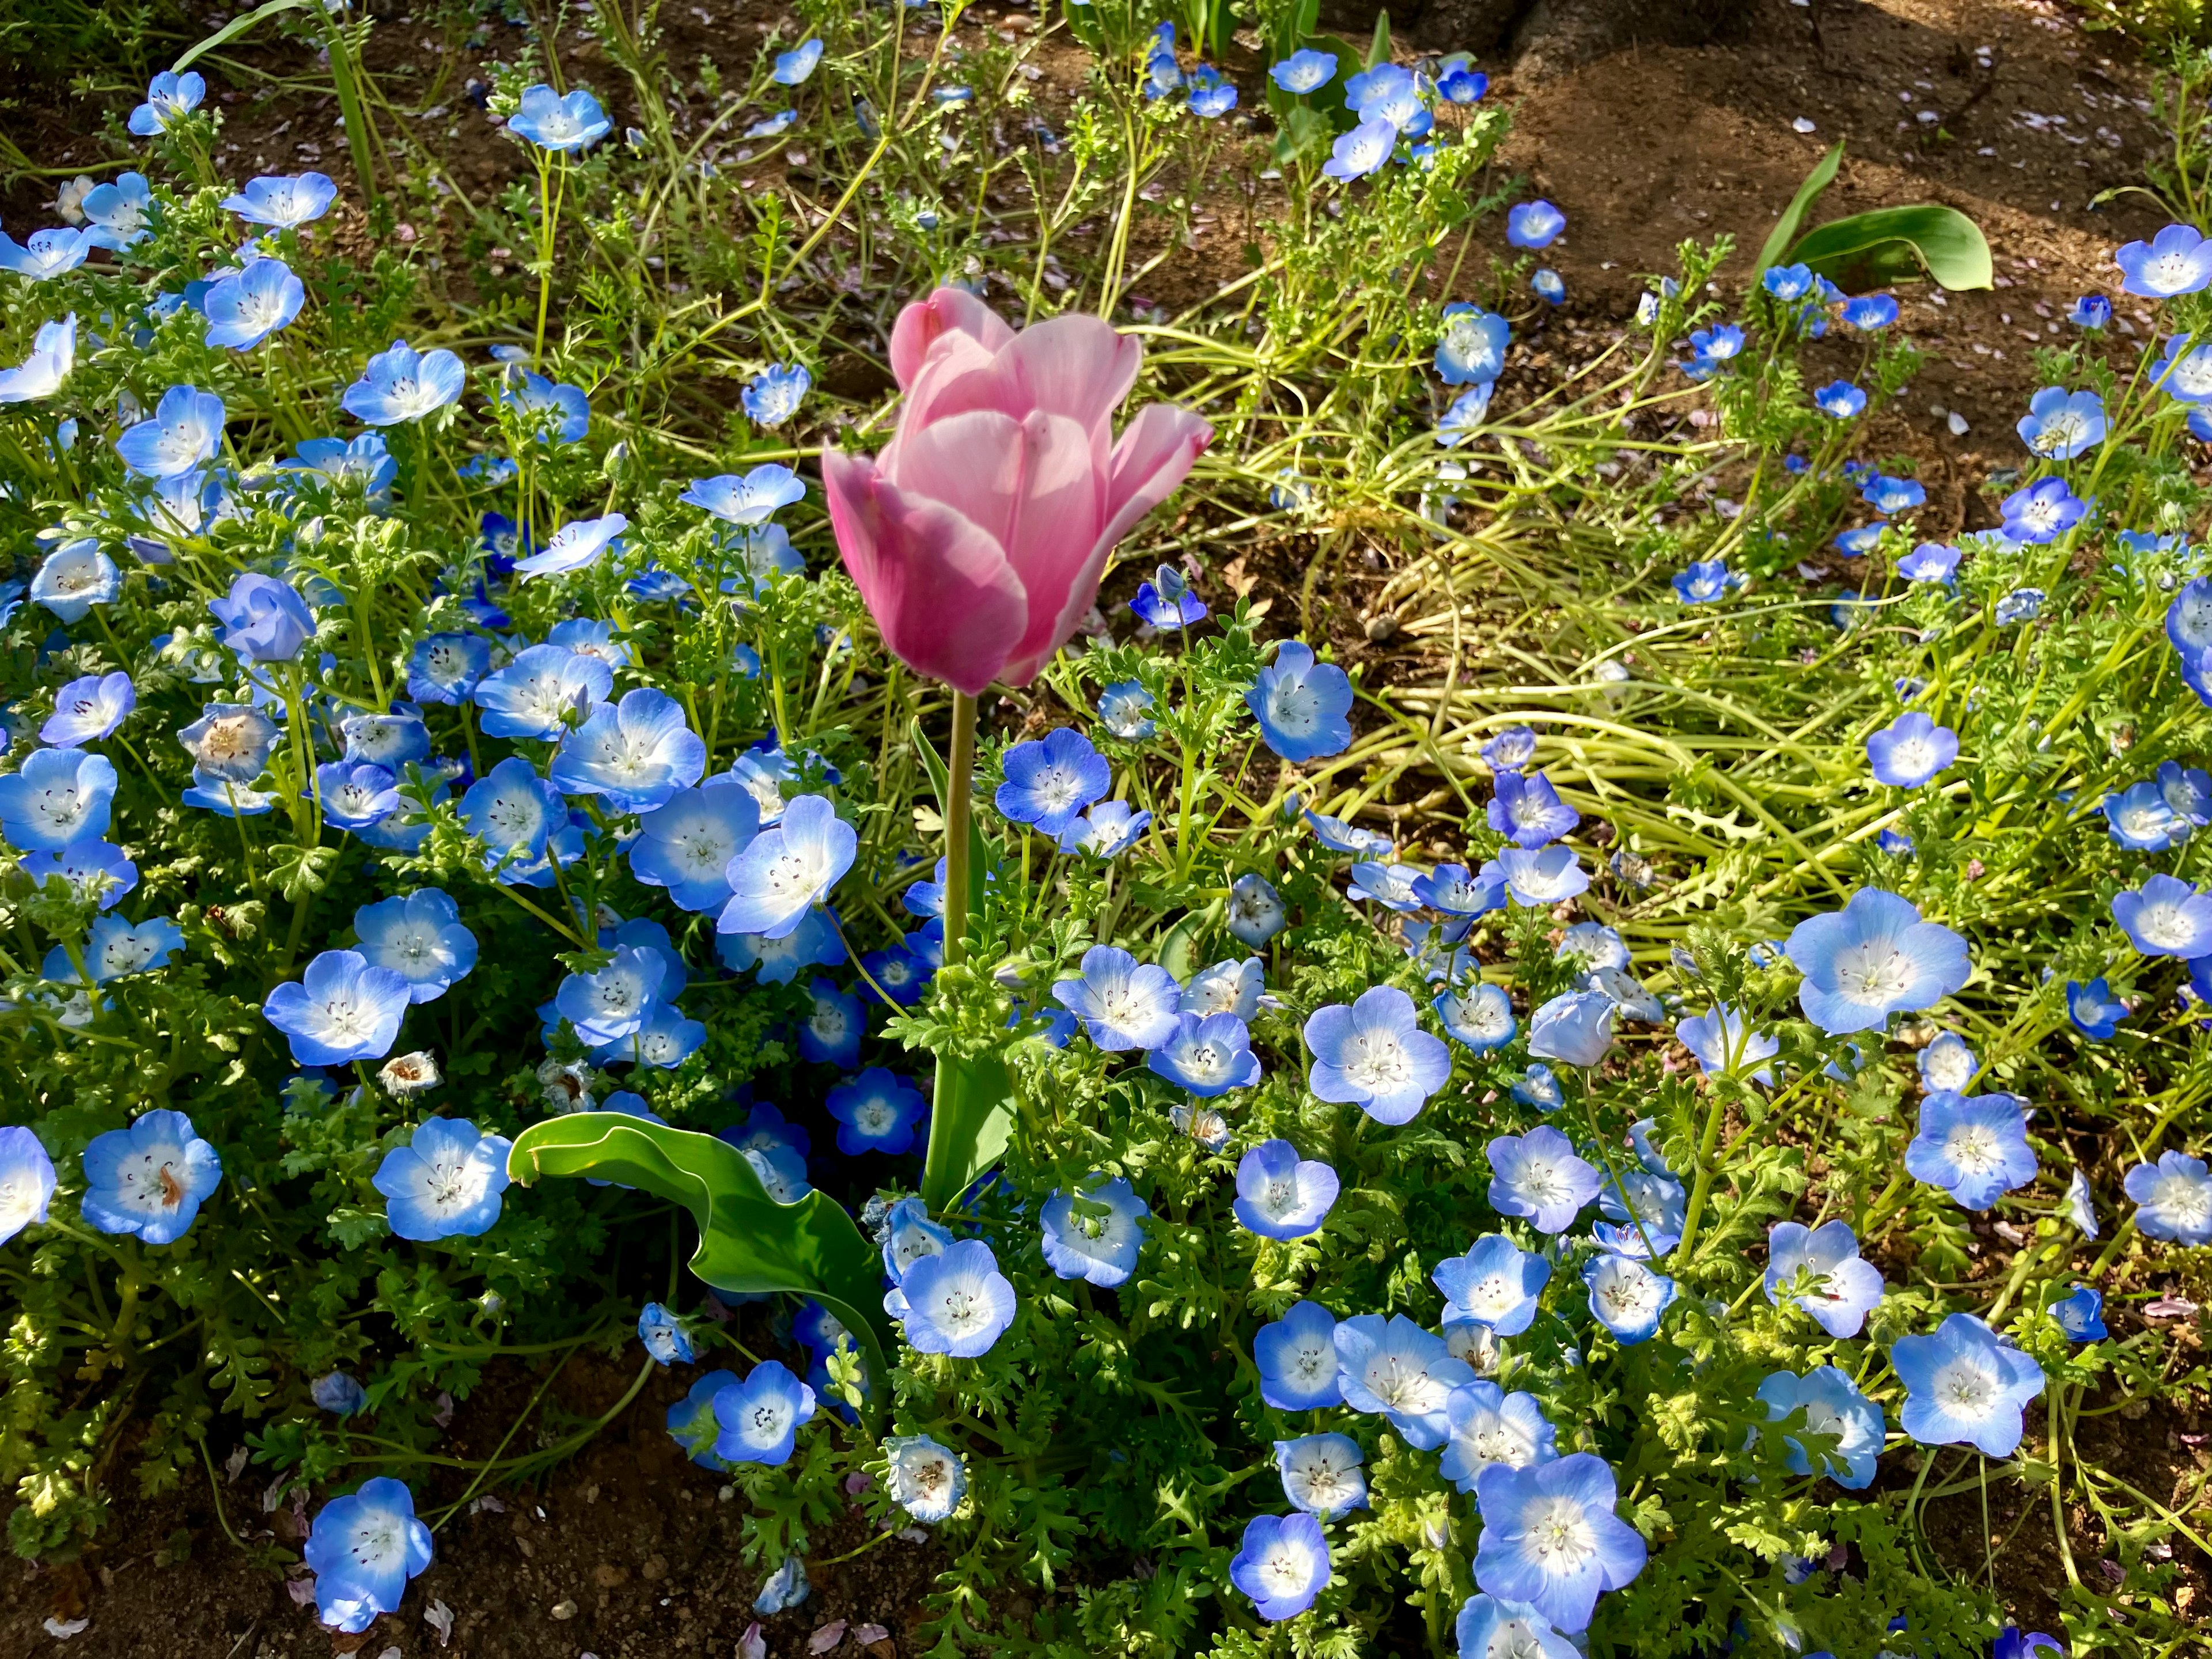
pixel 233 29
pixel 980 853
pixel 747 1241
pixel 1785 229
pixel 1889 244
pixel 970 1121
pixel 1083 23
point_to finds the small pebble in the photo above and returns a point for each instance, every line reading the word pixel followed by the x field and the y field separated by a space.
pixel 564 1609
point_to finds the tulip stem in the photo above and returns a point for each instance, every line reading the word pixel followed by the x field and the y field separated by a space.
pixel 959 773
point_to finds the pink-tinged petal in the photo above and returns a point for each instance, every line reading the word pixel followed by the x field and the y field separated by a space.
pixel 1077 367
pixel 945 600
pixel 947 311
pixel 971 463
pixel 951 360
pixel 1155 453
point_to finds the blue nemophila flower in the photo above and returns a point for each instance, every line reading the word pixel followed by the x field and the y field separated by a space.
pixel 1853 544
pixel 2042 512
pixel 1452 889
pixel 1401 1372
pixel 264 620
pixel 445 1182
pixel 87 709
pixel 1304 71
pixel 2079 1205
pixel 1704 581
pixel 774 127
pixel 1947 1063
pixel 1048 783
pixel 2091 311
pixel 26 1181
pixel 1965 1386
pixel 1538 1176
pixel 2176 261
pixel 2060 425
pixel 955 1303
pixel 1844 1289
pixel 2173 1198
pixel 2081 1314
pixel 114 948
pixel 1725 1045
pixel 685 844
pixel 793 68
pixel 1833 1407
pixel 1394 886
pixel 1095 1234
pixel 787 1587
pixel 1461 422
pixel 1575 1027
pixel 1481 1019
pixel 1839 400
pixel 58 798
pixel 1375 1055
pixel 1549 287
pixel 1280 1195
pixel 1122 1003
pixel 773 396
pixel 247 307
pixel 1588 947
pixel 1550 1537
pixel 759 1419
pixel 1486 1425
pixel 1490 1628
pixel 633 755
pixel 1473 350
pixel 1302 704
pixel 530 696
pixel 1529 809
pixel 1495 1284
pixel 1534 224
pixel 1890 496
pixel 284 203
pixel 1538 1087
pixel 1226 987
pixel 445 668
pixel 74 577
pixel 2188 791
pixel 1630 995
pixel 1912 750
pixel 554 123
pixel 421 938
pixel 513 811
pixel 664 1335
pixel 786 870
pixel 1162 75
pixel 53 355
pixel 747 500
pixel 363 1548
pixel 1296 1356
pixel 402 384
pixel 338 1394
pixel 354 797
pixel 831 1033
pixel 1283 1563
pixel 149 1179
pixel 1210 98
pixel 387 740
pixel 342 1009
pixel 549 409
pixel 1626 1297
pixel 1542 876
pixel 216 793
pixel 1787 283
pixel 924 1478
pixel 2094 1010
pixel 116 213
pixel 692 1421
pixel 1255 910
pixel 611 1003
pixel 1870 312
pixel 1930 561
pixel 1166 601
pixel 812 944
pixel 577 545
pixel 1124 710
pixel 908 1235
pixel 664 1038
pixel 1391 92
pixel 1340 837
pixel 169 98
pixel 1973 1146
pixel 1322 1474
pixel 48 254
pixel 876 1112
pixel 1876 958
pixel 1510 750
pixel 367 464
pixel 1207 1055
pixel 2165 917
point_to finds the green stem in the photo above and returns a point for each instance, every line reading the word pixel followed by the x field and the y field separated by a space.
pixel 960 772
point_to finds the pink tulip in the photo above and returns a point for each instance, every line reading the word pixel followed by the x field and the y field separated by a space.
pixel 979 535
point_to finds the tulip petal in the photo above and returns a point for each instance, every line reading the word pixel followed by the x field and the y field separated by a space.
pixel 1155 454
pixel 1076 365
pixel 947 311
pixel 948 604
